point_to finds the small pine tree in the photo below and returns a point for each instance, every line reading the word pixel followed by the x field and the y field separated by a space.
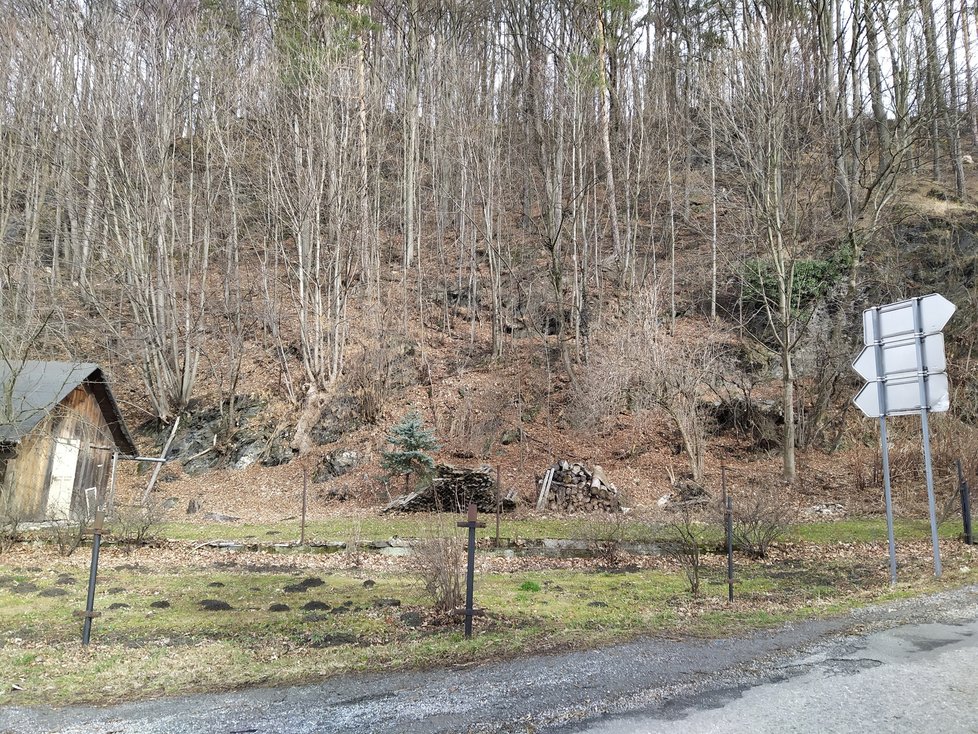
pixel 411 442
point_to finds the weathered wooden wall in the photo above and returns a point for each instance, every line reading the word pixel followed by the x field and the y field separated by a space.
pixel 77 417
pixel 27 472
pixel 81 418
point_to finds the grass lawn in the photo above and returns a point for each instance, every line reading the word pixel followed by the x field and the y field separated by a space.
pixel 178 617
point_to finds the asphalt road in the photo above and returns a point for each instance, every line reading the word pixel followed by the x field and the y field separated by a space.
pixel 904 667
pixel 915 678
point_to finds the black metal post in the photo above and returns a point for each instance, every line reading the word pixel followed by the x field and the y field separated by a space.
pixel 728 527
pixel 965 505
pixel 728 516
pixel 499 492
pixel 471 524
pixel 90 612
pixel 305 492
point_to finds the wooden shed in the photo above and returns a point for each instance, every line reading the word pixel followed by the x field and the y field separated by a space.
pixel 59 426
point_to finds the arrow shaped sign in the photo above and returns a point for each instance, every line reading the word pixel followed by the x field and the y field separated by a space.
pixel 900 357
pixel 896 319
pixel 902 396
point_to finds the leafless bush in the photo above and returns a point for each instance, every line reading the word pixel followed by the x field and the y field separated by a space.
pixel 68 535
pixel 601 390
pixel 645 366
pixel 438 560
pixel 760 521
pixel 686 536
pixel 605 536
pixel 9 529
pixel 137 524
pixel 863 467
pixel 475 432
pixel 952 442
pixel 378 370
pixel 354 546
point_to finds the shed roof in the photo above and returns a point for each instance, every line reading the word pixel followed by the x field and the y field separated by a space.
pixel 30 390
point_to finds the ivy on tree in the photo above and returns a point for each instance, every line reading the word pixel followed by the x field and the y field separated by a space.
pixel 411 443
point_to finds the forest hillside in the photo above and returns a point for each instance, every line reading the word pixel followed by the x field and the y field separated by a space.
pixel 638 235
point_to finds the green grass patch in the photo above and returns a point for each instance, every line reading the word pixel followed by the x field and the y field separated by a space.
pixel 155 637
pixel 597 530
pixel 870 530
pixel 383 527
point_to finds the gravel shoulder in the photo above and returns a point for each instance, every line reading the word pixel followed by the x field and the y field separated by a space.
pixel 553 693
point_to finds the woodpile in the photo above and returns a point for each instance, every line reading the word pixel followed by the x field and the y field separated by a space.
pixel 451 490
pixel 567 487
pixel 685 494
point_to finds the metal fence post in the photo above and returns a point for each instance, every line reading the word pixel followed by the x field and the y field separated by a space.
pixel 965 505
pixel 471 524
pixel 90 613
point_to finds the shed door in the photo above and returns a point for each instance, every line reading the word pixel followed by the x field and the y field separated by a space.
pixel 63 464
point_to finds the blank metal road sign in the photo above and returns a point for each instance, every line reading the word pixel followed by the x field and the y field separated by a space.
pixel 897 319
pixel 899 357
pixel 902 395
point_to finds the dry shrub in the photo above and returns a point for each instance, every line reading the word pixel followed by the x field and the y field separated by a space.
pixel 761 520
pixel 605 534
pixel 476 432
pixel 864 466
pixel 645 367
pixel 685 543
pixel 950 441
pixel 138 524
pixel 383 364
pixel 9 529
pixel 438 560
pixel 354 546
pixel 68 535
pixel 601 390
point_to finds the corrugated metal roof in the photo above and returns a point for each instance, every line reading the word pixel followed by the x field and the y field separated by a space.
pixel 30 390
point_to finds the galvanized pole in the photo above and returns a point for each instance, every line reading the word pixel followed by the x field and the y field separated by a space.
pixel 885 447
pixel 887 497
pixel 924 410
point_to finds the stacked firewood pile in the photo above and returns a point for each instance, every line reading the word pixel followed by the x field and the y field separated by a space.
pixel 567 487
pixel 451 490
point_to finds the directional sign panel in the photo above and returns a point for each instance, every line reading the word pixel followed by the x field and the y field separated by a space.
pixel 902 396
pixel 899 357
pixel 896 319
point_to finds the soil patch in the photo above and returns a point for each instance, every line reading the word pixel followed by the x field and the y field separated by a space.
pixel 215 605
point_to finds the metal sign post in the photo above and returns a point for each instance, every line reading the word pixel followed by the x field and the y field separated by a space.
pixel 885 454
pixel 925 427
pixel 904 365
